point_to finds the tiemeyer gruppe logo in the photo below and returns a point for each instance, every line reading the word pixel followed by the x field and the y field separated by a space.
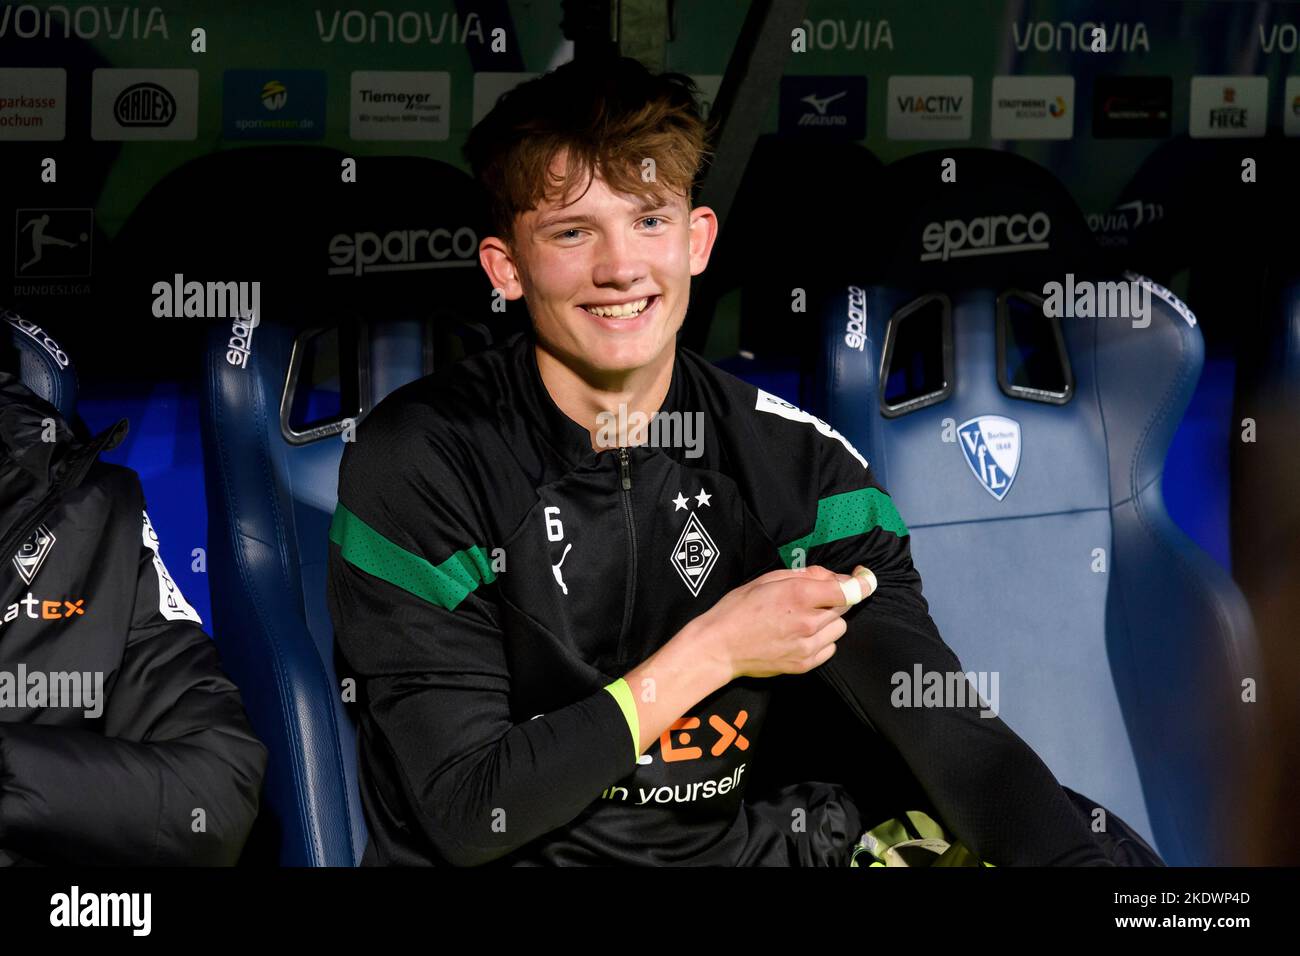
pixel 985 236
pixel 273 104
pixel 1228 106
pixel 400 105
pixel 33 104
pixel 144 104
pixel 1033 107
pixel 929 107
pixel 402 250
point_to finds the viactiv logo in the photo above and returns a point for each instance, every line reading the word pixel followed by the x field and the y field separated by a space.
pixel 985 236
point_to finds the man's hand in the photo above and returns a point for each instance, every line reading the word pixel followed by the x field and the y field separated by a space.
pixel 785 622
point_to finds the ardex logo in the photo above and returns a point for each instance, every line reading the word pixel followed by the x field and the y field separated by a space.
pixel 985 236
pixel 403 250
pixel 144 104
pixel 131 104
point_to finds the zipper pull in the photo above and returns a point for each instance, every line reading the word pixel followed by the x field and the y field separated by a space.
pixel 627 476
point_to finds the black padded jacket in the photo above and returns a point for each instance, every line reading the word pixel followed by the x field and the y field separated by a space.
pixel 121 740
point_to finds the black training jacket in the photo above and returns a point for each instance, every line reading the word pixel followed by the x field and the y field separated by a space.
pixel 84 592
pixel 490 573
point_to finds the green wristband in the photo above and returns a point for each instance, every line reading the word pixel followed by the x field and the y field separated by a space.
pixel 623 694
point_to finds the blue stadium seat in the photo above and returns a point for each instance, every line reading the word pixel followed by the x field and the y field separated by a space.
pixel 39 362
pixel 360 293
pixel 1027 457
pixel 794 190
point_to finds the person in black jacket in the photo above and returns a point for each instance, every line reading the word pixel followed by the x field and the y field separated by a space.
pixel 565 617
pixel 121 740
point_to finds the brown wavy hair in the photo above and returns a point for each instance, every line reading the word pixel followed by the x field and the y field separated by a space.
pixel 610 115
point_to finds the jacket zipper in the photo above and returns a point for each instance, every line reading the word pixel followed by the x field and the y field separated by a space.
pixel 626 472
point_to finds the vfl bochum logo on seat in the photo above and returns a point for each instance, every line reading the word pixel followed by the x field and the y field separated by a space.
pixel 991 445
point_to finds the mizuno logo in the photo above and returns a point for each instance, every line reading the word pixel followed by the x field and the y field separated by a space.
pixel 820 103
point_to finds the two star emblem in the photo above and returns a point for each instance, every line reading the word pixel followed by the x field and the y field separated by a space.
pixel 702 498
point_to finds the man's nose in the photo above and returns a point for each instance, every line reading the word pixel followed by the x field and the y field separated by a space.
pixel 618 261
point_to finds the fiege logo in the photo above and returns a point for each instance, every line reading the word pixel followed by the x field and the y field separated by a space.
pixel 1227 106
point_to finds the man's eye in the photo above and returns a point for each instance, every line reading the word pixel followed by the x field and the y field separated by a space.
pixel 655 218
pixel 565 233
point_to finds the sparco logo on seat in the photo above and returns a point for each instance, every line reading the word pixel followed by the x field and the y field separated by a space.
pixel 985 236
pixel 144 104
pixel 402 250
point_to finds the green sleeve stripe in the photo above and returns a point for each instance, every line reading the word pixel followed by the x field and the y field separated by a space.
pixel 445 584
pixel 845 515
pixel 623 694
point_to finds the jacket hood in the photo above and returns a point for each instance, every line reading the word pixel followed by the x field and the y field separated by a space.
pixel 40 459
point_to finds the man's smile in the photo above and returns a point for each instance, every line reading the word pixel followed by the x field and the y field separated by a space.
pixel 626 316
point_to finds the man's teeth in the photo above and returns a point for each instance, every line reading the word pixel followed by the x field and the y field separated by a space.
pixel 618 311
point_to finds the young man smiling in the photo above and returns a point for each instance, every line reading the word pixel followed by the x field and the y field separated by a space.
pixel 521 602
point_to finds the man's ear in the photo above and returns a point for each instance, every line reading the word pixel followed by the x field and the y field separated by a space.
pixel 498 261
pixel 704 232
